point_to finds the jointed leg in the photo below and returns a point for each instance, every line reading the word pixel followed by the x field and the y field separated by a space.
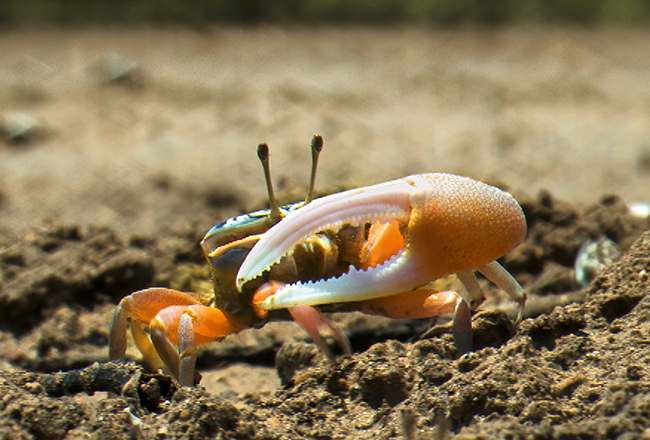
pixel 311 319
pixel 416 304
pixel 177 321
pixel 426 303
pixel 141 307
pixel 180 358
pixel 476 294
pixel 502 278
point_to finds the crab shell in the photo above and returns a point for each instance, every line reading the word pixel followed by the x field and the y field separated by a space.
pixel 450 223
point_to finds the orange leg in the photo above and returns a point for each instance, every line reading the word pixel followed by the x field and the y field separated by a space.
pixel 417 304
pixel 177 321
pixel 141 307
pixel 424 303
pixel 176 331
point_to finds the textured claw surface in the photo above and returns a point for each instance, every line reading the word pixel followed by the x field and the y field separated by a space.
pixel 451 223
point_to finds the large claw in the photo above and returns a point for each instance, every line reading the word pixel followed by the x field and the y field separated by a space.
pixel 450 224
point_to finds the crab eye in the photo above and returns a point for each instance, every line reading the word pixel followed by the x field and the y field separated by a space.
pixel 236 228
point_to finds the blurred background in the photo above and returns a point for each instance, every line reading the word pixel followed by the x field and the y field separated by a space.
pixel 209 12
pixel 143 115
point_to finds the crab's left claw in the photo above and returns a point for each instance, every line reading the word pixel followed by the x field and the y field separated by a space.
pixel 449 224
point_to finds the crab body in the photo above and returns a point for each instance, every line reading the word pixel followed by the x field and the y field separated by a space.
pixel 225 246
pixel 371 249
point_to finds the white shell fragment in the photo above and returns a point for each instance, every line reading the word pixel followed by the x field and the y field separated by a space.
pixel 121 70
pixel 19 126
pixel 640 209
pixel 593 257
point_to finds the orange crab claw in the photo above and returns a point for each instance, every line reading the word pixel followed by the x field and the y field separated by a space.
pixel 141 307
pixel 448 223
pixel 384 241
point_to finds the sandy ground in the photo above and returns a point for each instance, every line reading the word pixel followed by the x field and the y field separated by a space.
pixel 119 180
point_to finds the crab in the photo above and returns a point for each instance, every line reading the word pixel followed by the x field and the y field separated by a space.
pixel 374 249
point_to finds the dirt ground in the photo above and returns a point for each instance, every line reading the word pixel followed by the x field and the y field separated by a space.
pixel 140 140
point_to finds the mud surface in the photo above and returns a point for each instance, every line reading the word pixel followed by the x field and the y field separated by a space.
pixel 579 370
pixel 70 250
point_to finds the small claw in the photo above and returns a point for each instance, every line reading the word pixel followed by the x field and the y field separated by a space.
pixel 178 322
pixel 141 307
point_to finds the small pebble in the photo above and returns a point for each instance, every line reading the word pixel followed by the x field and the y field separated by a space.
pixel 19 126
pixel 593 257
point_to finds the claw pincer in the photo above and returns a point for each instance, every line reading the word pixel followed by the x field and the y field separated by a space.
pixel 449 224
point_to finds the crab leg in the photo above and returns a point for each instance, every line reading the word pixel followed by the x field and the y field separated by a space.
pixel 311 319
pixel 462 328
pixel 425 303
pixel 476 294
pixel 179 359
pixel 176 331
pixel 499 276
pixel 141 307
pixel 178 323
pixel 416 304
pixel 502 278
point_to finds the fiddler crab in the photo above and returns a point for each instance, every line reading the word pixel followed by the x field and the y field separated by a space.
pixel 373 249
